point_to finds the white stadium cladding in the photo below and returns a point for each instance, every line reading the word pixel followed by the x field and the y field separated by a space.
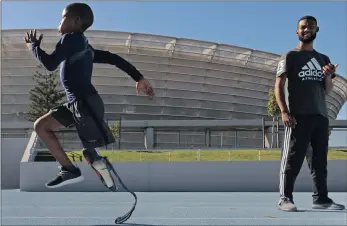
pixel 193 79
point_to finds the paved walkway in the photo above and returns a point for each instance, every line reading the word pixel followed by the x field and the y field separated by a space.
pixel 102 208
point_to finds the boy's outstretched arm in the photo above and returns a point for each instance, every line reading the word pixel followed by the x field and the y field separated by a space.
pixel 50 61
pixel 106 57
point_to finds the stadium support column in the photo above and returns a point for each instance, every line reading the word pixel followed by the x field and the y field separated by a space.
pixel 263 130
pixel 208 138
pixel 149 138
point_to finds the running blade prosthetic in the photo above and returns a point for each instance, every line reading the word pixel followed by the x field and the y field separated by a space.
pixel 103 169
pixel 125 217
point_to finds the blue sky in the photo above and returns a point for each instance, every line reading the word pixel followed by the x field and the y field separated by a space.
pixel 267 26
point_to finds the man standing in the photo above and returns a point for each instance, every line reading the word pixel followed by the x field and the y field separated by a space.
pixel 309 74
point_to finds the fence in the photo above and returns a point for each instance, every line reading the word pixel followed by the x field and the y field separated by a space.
pixel 208 139
pixel 170 136
pixel 200 134
pixel 170 140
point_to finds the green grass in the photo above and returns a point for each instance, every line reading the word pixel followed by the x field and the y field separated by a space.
pixel 203 155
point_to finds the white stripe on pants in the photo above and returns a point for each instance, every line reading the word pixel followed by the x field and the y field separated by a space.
pixel 285 152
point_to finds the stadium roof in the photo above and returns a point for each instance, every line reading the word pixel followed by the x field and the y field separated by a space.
pixel 164 46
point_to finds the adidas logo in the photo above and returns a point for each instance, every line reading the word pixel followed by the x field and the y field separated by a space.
pixel 311 71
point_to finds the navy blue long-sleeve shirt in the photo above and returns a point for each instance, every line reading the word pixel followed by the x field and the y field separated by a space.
pixel 76 57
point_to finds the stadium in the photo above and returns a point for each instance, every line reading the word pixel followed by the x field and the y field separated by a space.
pixel 208 95
pixel 193 80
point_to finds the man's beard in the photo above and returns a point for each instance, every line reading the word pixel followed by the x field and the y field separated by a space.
pixel 308 40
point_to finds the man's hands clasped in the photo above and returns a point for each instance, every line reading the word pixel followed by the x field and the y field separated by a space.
pixel 30 38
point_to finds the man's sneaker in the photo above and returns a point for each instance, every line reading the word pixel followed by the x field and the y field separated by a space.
pixel 101 167
pixel 65 177
pixel 327 204
pixel 286 204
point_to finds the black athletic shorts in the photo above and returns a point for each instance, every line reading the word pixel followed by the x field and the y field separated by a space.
pixel 87 116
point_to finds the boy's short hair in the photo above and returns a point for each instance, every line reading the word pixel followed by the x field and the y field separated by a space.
pixel 82 11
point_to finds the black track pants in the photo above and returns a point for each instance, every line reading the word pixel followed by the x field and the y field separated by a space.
pixel 310 129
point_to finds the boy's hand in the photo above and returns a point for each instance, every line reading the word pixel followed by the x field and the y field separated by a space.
pixel 144 86
pixel 31 38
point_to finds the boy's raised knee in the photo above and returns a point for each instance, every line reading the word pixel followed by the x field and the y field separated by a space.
pixel 46 123
pixel 40 125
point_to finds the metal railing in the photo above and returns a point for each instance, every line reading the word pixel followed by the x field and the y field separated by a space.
pixel 133 137
pixel 189 139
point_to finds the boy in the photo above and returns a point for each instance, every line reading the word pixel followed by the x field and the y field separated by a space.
pixel 85 108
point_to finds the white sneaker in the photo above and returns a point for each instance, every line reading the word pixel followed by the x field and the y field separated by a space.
pixel 286 204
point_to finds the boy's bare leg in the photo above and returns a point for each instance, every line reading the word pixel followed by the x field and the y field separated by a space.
pixel 45 127
pixel 69 173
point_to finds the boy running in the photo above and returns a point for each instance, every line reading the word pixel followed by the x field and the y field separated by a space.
pixel 84 108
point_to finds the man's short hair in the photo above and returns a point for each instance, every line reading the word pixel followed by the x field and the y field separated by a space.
pixel 82 11
pixel 307 17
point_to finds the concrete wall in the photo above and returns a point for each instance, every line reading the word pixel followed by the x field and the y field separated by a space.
pixel 261 176
pixel 12 150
